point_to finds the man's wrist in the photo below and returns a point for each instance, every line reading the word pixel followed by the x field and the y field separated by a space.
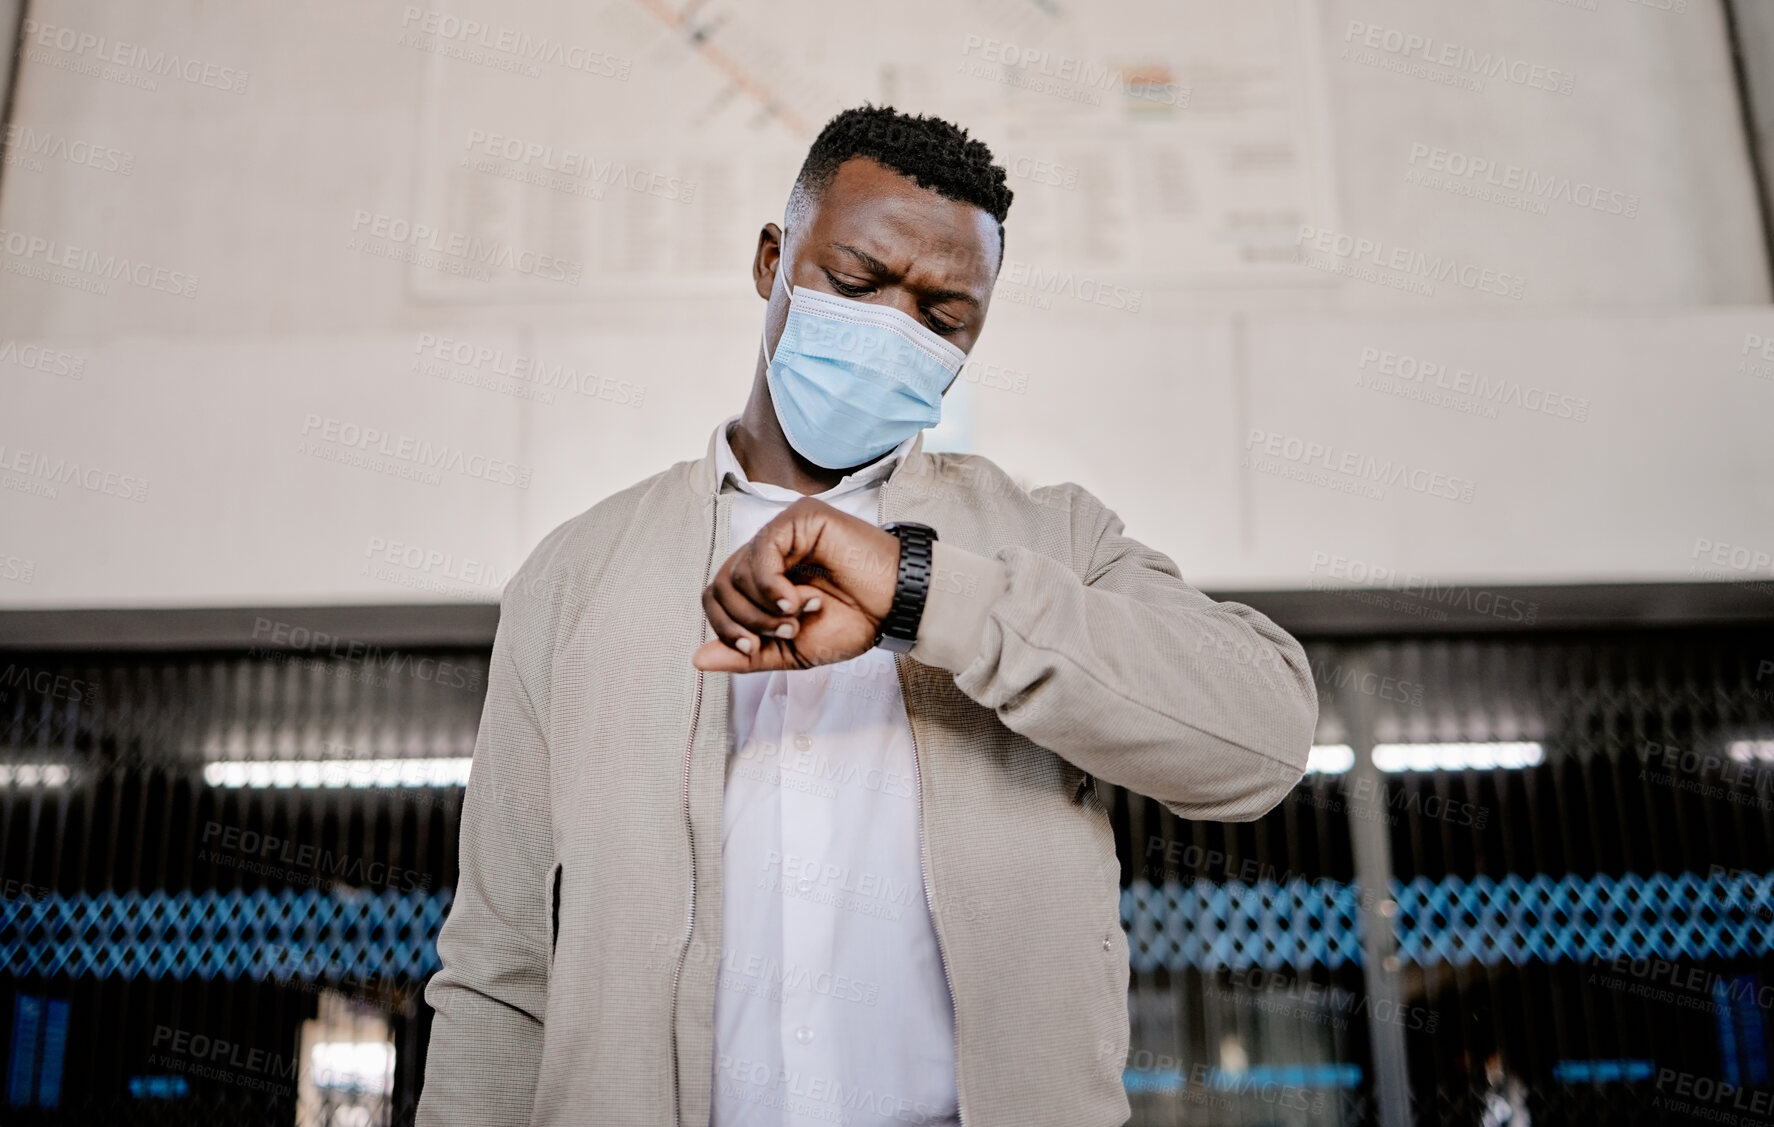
pixel 875 580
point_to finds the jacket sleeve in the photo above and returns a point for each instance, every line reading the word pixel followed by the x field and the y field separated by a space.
pixel 1128 672
pixel 490 996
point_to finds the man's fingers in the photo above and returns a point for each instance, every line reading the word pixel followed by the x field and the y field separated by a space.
pixel 781 593
pixel 727 631
pixel 715 656
pixel 747 615
pixel 811 598
pixel 760 574
pixel 755 604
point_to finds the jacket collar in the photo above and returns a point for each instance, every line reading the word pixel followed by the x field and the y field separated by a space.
pixel 909 465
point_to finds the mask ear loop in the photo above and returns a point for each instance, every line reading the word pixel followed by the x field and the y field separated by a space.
pixel 778 279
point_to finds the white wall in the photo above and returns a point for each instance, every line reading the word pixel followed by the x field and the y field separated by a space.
pixel 1165 412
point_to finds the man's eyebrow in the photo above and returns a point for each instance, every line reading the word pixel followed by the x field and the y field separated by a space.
pixel 935 297
pixel 868 259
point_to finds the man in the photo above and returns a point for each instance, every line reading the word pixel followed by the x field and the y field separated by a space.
pixel 826 846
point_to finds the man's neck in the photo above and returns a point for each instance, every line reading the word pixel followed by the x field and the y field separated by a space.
pixel 765 455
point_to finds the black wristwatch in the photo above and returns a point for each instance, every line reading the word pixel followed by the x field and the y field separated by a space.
pixel 899 630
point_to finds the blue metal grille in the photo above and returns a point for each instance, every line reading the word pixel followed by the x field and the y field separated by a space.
pixel 1548 919
pixel 1514 920
pixel 224 935
pixel 1209 925
pixel 1200 925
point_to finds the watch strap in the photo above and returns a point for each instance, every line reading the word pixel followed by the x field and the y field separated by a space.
pixel 899 629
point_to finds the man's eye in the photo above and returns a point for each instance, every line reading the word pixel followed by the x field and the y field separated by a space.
pixel 846 288
pixel 941 327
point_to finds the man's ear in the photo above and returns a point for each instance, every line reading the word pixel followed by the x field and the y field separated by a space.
pixel 767 260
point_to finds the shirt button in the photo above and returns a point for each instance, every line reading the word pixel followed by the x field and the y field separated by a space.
pixel 804 1035
pixel 1106 944
pixel 803 742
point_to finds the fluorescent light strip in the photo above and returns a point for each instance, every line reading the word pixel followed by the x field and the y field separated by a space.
pixel 337 773
pixel 1752 751
pixel 1457 757
pixel 1337 759
pixel 1329 759
pixel 35 774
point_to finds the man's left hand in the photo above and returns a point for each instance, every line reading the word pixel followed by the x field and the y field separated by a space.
pixel 811 588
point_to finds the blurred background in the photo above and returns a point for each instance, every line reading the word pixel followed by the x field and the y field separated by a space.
pixel 1441 333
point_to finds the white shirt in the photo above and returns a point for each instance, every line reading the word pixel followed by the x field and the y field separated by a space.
pixel 832 1006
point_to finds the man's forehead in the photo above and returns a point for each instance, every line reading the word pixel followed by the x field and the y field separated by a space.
pixel 870 208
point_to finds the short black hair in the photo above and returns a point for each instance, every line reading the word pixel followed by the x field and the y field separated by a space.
pixel 931 152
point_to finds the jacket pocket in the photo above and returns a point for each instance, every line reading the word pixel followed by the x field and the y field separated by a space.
pixel 1077 783
pixel 554 911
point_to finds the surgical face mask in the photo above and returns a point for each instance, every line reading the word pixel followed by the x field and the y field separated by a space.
pixel 850 381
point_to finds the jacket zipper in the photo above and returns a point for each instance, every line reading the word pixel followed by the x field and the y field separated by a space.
pixel 923 839
pixel 677 1098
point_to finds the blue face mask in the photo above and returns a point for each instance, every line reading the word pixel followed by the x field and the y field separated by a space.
pixel 850 380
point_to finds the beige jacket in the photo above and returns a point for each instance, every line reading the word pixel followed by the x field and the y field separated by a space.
pixel 581 953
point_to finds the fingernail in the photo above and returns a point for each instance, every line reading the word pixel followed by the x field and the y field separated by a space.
pixel 784 605
pixel 786 630
pixel 744 645
pixel 812 604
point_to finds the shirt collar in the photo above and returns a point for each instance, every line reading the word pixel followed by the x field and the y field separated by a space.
pixel 871 474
